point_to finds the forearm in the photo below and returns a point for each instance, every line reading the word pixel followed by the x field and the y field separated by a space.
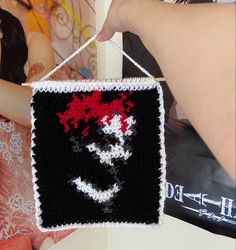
pixel 195 48
pixel 15 102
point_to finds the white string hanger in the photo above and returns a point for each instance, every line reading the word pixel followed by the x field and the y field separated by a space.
pixel 80 49
pixel 86 44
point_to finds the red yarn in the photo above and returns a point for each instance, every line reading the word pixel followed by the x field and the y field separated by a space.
pixel 91 106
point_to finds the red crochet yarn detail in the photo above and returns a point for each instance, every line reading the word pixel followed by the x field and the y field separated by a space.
pixel 86 107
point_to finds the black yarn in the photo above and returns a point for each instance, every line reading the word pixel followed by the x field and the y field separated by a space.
pixel 57 164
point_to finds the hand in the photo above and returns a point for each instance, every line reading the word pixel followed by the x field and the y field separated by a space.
pixel 119 16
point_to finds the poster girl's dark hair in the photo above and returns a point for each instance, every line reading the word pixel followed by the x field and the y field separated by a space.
pixel 14 52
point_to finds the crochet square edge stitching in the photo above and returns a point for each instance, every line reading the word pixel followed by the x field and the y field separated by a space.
pixel 88 85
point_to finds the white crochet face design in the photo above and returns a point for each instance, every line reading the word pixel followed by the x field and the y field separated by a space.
pixel 109 157
pixel 116 151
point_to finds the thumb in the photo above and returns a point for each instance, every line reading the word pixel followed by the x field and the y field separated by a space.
pixel 106 33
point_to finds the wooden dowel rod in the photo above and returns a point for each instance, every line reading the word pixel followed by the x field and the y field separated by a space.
pixel 159 79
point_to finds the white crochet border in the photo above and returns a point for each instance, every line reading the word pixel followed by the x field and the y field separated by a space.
pixel 105 85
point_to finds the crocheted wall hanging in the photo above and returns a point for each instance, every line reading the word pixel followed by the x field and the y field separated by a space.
pixel 98 153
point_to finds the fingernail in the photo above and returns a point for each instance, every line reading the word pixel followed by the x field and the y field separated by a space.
pixel 99 37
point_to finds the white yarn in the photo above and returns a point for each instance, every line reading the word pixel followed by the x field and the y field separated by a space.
pixel 124 84
pixel 101 196
pixel 69 58
pixel 92 39
pixel 130 59
pixel 118 150
pixel 97 195
pixel 91 85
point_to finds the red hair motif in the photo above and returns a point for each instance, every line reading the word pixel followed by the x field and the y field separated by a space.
pixel 90 106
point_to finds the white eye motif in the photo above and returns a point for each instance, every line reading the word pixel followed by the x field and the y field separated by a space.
pixel 117 151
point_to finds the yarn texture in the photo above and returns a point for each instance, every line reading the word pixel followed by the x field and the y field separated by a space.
pixel 98 155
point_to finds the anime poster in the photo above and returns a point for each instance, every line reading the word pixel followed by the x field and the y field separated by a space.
pixel 62 26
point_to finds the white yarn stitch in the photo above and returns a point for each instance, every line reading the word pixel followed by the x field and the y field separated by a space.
pixel 91 85
pixel 115 84
pixel 86 44
pixel 97 195
pixel 162 154
pixel 38 210
pixel 116 151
